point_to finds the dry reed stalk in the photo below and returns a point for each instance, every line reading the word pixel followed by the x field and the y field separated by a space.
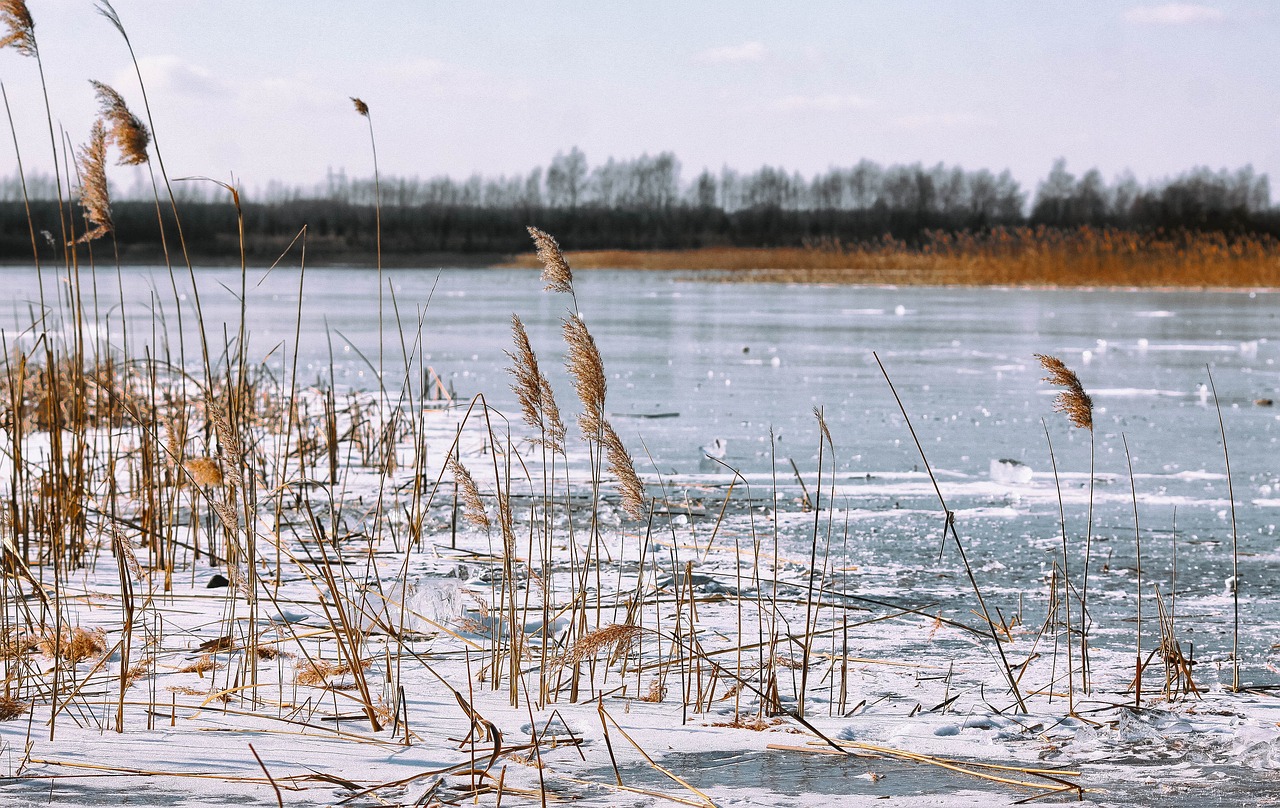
pixel 128 132
pixel 1235 544
pixel 15 16
pixel 555 269
pixel 1076 404
pixel 361 107
pixel 94 197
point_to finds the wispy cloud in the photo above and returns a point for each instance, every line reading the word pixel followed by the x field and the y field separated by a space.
pixel 733 54
pixel 1175 14
pixel 941 120
pixel 831 102
pixel 173 74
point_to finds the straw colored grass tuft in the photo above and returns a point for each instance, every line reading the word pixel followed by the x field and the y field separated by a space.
pixel 1073 401
pixel 361 107
pixel 76 644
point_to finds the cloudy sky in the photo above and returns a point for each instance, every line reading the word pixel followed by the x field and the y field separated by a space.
pixel 260 89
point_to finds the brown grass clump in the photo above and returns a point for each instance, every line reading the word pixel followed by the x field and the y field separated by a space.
pixel 319 673
pixel 130 134
pixel 615 638
pixel 1073 401
pixel 204 663
pixel 657 692
pixel 93 184
pixel 361 107
pixel 555 269
pixel 77 644
pixel 138 671
pixel 22 29
pixel 11 708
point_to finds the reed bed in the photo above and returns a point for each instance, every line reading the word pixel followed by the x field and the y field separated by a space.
pixel 1027 256
pixel 201 545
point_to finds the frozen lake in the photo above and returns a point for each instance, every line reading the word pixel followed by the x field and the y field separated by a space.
pixel 693 362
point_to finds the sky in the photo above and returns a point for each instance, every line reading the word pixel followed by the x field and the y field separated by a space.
pixel 260 90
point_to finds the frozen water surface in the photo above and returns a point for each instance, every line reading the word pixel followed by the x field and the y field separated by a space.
pixel 695 364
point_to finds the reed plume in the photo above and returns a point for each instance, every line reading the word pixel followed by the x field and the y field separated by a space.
pixel 204 471
pixel 629 486
pixel 473 506
pixel 537 402
pixel 94 197
pixel 22 29
pixel 127 131
pixel 1073 401
pixel 361 107
pixel 617 637
pixel 587 369
pixel 555 269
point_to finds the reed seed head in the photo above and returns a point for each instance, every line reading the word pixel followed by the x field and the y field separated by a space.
pixel 204 471
pixel 94 197
pixel 1073 400
pixel 130 134
pixel 617 638
pixel 473 506
pixel 361 107
pixel 22 29
pixel 555 269
pixel 629 486
pixel 587 369
pixel 537 401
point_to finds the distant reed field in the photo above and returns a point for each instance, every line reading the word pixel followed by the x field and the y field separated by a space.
pixel 1028 256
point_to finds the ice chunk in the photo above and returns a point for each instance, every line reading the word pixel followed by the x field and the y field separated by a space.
pixel 1010 472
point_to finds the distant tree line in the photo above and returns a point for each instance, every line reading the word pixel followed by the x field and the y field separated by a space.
pixel 642 203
